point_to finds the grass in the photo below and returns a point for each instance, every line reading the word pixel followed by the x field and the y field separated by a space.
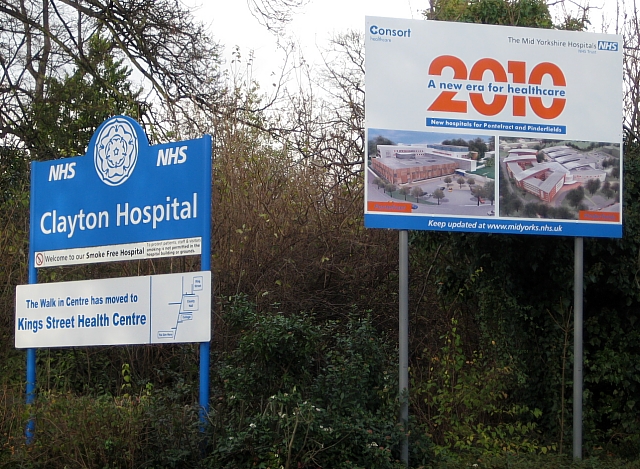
pixel 489 172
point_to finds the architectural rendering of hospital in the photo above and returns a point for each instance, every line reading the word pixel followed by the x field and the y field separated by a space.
pixel 401 164
pixel 543 173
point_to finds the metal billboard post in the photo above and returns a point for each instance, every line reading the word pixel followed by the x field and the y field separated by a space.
pixel 403 341
pixel 577 346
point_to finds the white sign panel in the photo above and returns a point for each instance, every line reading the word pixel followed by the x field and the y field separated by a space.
pixel 492 129
pixel 119 252
pixel 156 309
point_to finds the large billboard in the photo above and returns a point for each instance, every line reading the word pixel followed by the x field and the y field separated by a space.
pixel 497 129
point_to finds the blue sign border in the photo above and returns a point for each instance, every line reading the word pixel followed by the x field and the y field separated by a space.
pixel 160 192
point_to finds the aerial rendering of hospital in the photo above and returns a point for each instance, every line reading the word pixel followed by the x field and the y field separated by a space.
pixel 543 173
pixel 401 164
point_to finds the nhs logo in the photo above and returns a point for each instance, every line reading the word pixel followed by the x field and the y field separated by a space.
pixel 175 155
pixel 62 171
pixel 608 45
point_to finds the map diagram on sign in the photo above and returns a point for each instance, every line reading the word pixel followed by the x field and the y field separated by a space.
pixel 183 308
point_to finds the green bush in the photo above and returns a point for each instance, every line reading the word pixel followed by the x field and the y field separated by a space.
pixel 468 406
pixel 79 432
pixel 299 394
pixel 105 432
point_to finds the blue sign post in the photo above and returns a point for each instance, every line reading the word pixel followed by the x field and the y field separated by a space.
pixel 123 200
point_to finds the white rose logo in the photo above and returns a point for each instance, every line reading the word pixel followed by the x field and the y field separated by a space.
pixel 116 151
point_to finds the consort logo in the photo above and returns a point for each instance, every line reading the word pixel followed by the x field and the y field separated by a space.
pixel 116 151
pixel 388 32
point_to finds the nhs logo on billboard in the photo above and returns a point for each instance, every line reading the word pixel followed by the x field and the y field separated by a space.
pixel 608 45
pixel 122 191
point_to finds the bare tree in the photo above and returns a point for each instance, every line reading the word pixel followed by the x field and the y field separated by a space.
pixel 623 20
pixel 478 193
pixel 275 14
pixel 438 194
pixel 417 192
pixel 593 185
pixel 159 39
pixel 471 182
pixel 328 116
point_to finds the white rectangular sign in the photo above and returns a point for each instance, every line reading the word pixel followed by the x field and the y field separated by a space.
pixel 155 309
pixel 119 252
pixel 485 128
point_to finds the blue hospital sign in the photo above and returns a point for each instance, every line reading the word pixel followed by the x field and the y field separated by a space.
pixel 122 191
